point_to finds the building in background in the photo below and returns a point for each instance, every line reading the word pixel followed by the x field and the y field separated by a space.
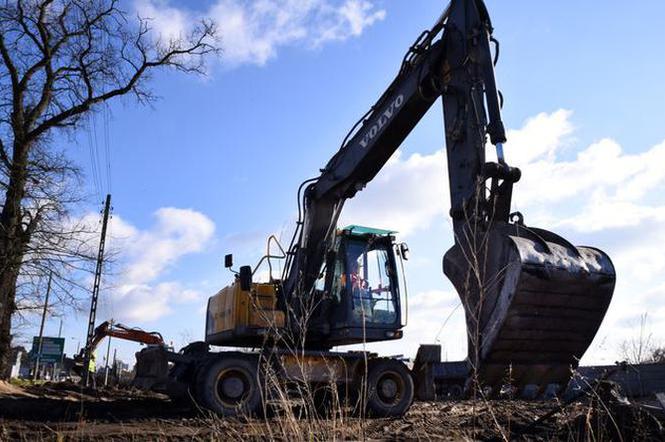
pixel 20 363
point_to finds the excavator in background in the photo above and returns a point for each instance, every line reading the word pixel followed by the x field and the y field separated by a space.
pixel 533 301
pixel 113 330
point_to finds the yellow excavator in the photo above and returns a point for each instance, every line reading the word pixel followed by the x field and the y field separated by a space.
pixel 533 301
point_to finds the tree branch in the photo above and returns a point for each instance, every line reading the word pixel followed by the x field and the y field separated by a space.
pixel 13 73
pixel 3 155
pixel 168 58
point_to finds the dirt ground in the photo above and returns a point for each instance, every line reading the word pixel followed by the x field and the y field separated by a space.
pixel 68 412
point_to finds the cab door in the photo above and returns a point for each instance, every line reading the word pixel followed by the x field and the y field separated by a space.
pixel 365 290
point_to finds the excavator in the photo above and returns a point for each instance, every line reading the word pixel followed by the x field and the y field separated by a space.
pixel 533 302
pixel 119 331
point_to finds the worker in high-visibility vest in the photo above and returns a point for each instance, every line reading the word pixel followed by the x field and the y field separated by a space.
pixel 92 369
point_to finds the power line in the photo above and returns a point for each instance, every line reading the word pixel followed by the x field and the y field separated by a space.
pixel 98 162
pixel 93 164
pixel 100 167
pixel 107 145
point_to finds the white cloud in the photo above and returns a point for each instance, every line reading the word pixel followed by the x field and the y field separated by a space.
pixel 145 256
pixel 147 303
pixel 348 20
pixel 171 23
pixel 601 173
pixel 539 138
pixel 599 195
pixel 407 195
pixel 252 32
pixel 177 232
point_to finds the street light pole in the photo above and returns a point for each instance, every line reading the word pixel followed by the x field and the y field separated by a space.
pixel 41 327
pixel 108 353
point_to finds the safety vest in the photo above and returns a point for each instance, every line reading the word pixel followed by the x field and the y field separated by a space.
pixel 91 365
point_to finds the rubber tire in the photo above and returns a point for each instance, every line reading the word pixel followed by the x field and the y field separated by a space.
pixel 207 381
pixel 455 391
pixel 376 406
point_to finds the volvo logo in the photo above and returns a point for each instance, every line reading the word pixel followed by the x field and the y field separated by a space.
pixel 385 117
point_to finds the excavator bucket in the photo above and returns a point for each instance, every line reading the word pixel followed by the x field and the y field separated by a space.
pixel 152 367
pixel 533 304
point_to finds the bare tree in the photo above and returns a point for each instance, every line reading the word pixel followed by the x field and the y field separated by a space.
pixel 639 348
pixel 62 246
pixel 62 59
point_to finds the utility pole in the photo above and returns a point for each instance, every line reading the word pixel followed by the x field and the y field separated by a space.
pixel 41 327
pixel 95 289
pixel 62 356
pixel 108 353
pixel 114 366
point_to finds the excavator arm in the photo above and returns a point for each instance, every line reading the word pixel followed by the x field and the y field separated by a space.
pixel 451 65
pixel 109 329
pixel 533 301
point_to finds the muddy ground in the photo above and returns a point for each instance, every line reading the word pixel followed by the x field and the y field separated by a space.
pixel 66 411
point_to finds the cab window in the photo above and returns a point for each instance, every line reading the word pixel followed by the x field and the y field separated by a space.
pixel 371 283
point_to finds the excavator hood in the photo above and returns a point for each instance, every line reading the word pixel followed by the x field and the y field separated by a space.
pixel 533 303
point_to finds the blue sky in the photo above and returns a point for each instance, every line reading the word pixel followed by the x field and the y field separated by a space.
pixel 213 166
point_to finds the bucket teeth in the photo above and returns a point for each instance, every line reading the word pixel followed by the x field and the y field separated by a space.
pixel 534 307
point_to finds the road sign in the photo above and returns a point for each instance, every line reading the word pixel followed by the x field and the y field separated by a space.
pixel 52 348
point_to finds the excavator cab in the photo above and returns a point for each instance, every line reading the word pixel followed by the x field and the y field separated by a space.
pixel 356 299
pixel 362 287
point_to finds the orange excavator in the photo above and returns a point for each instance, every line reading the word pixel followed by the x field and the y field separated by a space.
pixel 120 331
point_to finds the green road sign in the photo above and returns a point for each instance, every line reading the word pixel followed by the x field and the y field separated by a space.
pixel 52 348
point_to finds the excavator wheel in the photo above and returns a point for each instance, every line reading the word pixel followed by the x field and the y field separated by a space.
pixel 390 388
pixel 229 386
pixel 455 391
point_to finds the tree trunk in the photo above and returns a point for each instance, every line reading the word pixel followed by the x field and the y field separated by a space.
pixel 12 249
pixel 7 308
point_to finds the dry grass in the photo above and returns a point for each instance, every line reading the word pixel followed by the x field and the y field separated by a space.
pixel 460 420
